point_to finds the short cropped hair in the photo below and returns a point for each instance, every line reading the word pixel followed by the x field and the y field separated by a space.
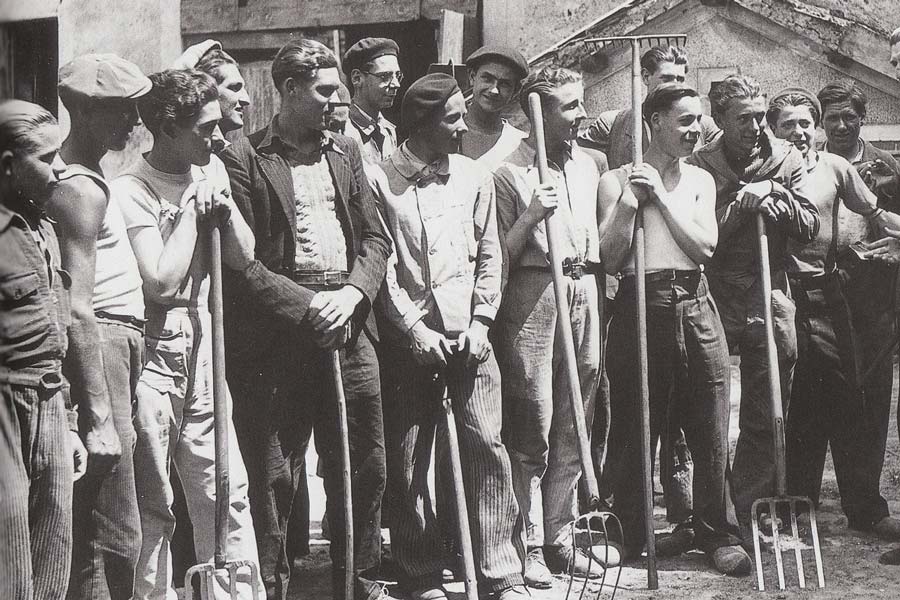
pixel 844 91
pixel 177 96
pixel 895 36
pixel 664 96
pixel 544 81
pixel 18 120
pixel 210 62
pixel 652 58
pixel 733 87
pixel 301 58
pixel 791 99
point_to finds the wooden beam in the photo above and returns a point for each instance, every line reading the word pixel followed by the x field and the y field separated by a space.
pixel 27 11
pixel 207 16
pixel 431 9
pixel 451 37
pixel 308 14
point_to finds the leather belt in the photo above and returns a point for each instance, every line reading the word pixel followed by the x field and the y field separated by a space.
pixel 666 275
pixel 577 268
pixel 323 279
pixel 127 319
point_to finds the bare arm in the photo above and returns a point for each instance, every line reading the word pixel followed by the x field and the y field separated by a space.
pixel 617 212
pixel 696 230
pixel 78 206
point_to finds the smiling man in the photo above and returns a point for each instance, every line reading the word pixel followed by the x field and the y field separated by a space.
pixel 373 70
pixel 106 341
pixel 754 173
pixel 495 73
pixel 830 403
pixel 443 290
pixel 541 442
pixel 320 260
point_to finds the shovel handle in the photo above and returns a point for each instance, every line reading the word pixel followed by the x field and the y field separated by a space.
pixel 349 571
pixel 220 394
pixel 775 404
pixel 564 325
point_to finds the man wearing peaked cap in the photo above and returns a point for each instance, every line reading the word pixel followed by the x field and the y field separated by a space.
pixel 374 75
pixel 105 339
pixel 443 289
pixel 495 73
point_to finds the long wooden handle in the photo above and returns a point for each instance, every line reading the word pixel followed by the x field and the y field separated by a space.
pixel 563 324
pixel 220 391
pixel 349 571
pixel 640 268
pixel 775 404
pixel 462 509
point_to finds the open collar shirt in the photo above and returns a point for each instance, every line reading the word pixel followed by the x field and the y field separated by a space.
pixel 446 264
pixel 377 137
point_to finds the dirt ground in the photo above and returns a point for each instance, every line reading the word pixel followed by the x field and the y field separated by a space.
pixel 851 563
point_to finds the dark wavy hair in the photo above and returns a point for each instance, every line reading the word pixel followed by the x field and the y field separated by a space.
pixel 302 59
pixel 544 81
pixel 731 88
pixel 791 98
pixel 664 96
pixel 844 91
pixel 210 62
pixel 177 96
pixel 652 58
pixel 18 120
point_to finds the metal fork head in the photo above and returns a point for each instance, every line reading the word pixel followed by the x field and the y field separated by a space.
pixel 599 44
pixel 591 534
pixel 207 573
pixel 781 542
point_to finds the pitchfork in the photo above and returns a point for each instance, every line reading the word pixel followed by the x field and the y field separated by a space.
pixel 207 571
pixel 600 551
pixel 637 123
pixel 781 499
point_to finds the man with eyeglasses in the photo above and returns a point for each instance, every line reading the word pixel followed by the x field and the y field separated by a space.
pixel 374 75
pixel 495 74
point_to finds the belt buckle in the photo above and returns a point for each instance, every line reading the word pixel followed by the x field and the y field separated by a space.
pixel 332 278
pixel 573 268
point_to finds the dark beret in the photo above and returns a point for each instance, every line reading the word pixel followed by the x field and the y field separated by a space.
pixel 426 95
pixel 503 54
pixel 366 50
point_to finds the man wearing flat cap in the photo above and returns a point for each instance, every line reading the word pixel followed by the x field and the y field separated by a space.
pixel 319 261
pixel 106 339
pixel 495 73
pixel 374 74
pixel 836 399
pixel 441 294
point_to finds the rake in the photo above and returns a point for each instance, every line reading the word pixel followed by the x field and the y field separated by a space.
pixel 596 543
pixel 635 42
pixel 781 499
pixel 208 571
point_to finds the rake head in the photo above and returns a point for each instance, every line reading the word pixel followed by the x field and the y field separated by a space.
pixel 783 541
pixel 598 44
pixel 591 535
pixel 208 583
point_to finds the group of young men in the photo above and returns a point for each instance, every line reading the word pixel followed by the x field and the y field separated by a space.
pixel 425 265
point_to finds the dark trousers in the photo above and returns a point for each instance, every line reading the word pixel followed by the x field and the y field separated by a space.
pixel 414 423
pixel 106 524
pixel 689 377
pixel 35 491
pixel 827 409
pixel 275 413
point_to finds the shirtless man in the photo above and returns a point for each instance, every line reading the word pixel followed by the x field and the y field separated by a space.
pixel 688 353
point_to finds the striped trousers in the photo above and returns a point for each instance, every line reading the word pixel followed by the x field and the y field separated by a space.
pixel 413 422
pixel 35 492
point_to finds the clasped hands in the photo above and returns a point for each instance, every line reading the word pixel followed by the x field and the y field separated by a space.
pixel 430 347
pixel 329 316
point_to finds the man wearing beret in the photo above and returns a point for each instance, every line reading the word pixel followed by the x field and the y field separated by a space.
pixel 542 443
pixel 319 262
pixel 374 73
pixel 833 400
pixel 494 73
pixel 106 340
pixel 441 294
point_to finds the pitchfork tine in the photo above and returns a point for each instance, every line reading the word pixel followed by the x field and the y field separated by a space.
pixel 820 570
pixel 776 544
pixel 798 555
pixel 754 525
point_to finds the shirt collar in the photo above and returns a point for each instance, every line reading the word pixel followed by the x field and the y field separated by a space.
pixel 364 122
pixel 857 156
pixel 275 138
pixel 415 169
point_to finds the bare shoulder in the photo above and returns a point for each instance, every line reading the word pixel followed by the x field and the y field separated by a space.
pixel 695 174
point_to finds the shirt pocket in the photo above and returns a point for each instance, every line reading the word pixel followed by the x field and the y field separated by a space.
pixel 23 307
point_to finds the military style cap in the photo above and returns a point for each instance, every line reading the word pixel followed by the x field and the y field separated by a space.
pixel 103 76
pixel 368 49
pixel 503 54
pixel 426 95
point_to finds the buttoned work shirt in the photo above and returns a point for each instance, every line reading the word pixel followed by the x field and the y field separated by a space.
pixel 576 183
pixel 446 261
pixel 377 137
